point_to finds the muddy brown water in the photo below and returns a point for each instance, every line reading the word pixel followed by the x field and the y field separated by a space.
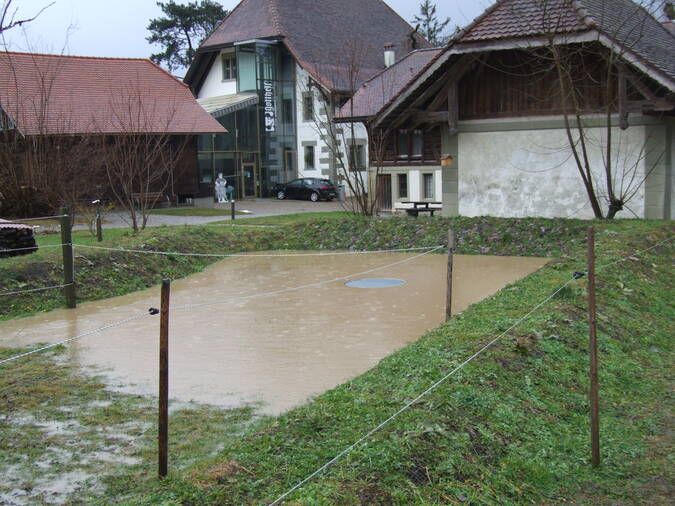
pixel 277 350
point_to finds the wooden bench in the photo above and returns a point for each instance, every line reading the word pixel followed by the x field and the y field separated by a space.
pixel 153 197
pixel 421 207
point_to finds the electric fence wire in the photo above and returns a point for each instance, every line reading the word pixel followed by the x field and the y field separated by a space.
pixel 45 288
pixel 23 220
pixel 420 396
pixel 80 336
pixel 3 250
pixel 233 299
pixel 434 386
pixel 303 287
pixel 248 255
pixel 637 253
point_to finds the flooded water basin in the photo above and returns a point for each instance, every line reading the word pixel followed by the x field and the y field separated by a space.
pixel 278 349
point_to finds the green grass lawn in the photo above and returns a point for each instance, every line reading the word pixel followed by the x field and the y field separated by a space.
pixel 195 211
pixel 293 219
pixel 510 428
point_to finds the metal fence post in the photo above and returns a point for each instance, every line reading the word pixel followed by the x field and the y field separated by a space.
pixel 99 225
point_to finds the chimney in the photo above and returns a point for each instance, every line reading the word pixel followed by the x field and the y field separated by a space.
pixel 389 55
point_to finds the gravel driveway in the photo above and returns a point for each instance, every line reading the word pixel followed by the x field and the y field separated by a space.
pixel 258 208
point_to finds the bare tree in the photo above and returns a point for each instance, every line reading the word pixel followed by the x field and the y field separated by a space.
pixel 618 176
pixel 350 153
pixel 46 166
pixel 142 156
pixel 9 19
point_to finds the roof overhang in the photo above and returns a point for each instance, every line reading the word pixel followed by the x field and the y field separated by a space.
pixel 227 104
pixel 524 43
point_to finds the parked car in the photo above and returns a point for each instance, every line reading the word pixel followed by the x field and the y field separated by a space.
pixel 310 188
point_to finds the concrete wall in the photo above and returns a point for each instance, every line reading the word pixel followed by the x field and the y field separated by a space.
pixel 214 86
pixel 520 168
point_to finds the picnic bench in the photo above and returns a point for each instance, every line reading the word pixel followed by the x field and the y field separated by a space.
pixel 149 197
pixel 422 207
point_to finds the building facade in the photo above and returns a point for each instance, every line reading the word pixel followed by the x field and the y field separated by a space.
pixel 532 107
pixel 276 85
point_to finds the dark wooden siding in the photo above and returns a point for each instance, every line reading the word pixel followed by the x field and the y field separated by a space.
pixel 386 149
pixel 525 83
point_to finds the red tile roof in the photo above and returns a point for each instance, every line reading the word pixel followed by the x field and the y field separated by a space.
pixel 378 91
pixel 67 95
pixel 321 34
pixel 522 18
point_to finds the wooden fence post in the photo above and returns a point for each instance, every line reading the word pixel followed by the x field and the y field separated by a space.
pixel 99 225
pixel 163 432
pixel 68 260
pixel 448 295
pixel 592 326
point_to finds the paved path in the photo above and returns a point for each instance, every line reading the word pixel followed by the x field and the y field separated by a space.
pixel 258 208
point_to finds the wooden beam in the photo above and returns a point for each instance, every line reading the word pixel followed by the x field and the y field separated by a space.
pixel 453 108
pixel 623 99
pixel 659 105
pixel 429 117
pixel 457 71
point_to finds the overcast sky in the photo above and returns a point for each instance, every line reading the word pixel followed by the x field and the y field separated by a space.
pixel 119 27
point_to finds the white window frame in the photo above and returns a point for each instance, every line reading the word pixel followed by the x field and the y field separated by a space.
pixel 229 70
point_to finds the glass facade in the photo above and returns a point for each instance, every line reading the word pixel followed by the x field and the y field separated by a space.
pixel 260 149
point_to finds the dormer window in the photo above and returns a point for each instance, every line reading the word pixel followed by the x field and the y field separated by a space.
pixel 229 62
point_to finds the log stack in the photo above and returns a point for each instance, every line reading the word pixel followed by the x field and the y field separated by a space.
pixel 15 236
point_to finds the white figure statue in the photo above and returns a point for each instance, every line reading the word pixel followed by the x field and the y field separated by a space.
pixel 221 189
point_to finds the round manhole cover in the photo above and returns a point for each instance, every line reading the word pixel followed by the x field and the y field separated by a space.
pixel 375 283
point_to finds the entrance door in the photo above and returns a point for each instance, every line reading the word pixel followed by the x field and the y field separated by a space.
pixel 384 192
pixel 250 180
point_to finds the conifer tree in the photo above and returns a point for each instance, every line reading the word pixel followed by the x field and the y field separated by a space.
pixel 182 29
pixel 430 26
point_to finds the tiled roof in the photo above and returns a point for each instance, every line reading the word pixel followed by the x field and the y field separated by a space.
pixel 67 95
pixel 323 35
pixel 641 38
pixel 378 91
pixel 522 18
pixel 623 21
pixel 636 30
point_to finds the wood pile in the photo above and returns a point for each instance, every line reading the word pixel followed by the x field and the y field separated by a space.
pixel 15 236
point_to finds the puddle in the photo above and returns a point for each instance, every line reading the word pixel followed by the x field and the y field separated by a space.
pixel 281 349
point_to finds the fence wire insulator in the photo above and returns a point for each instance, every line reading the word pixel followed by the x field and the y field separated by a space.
pixel 578 275
pixel 153 311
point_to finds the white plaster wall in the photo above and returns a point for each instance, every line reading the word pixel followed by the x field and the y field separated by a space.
pixel 414 182
pixel 214 86
pixel 307 130
pixel 311 131
pixel 531 172
pixel 438 184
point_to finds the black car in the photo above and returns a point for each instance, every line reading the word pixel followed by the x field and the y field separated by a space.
pixel 310 188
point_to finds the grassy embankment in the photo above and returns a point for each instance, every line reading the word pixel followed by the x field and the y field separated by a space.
pixel 510 428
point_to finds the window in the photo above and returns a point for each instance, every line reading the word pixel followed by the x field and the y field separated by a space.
pixel 309 157
pixel 403 186
pixel 410 144
pixel 287 107
pixel 428 186
pixel 307 107
pixel 229 67
pixel 357 157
